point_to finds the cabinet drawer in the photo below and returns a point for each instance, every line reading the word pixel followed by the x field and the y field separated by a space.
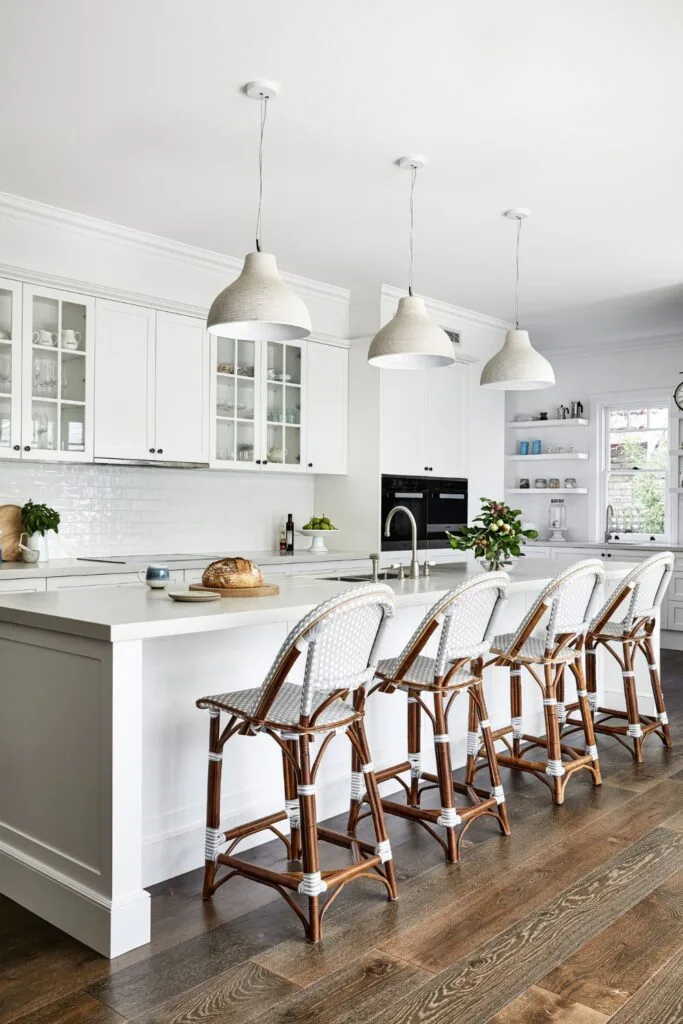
pixel 114 579
pixel 674 615
pixel 31 586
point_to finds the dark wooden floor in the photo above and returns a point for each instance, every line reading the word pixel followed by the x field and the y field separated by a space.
pixel 576 918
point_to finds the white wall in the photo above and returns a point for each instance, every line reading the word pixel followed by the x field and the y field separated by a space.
pixel 585 375
pixel 110 510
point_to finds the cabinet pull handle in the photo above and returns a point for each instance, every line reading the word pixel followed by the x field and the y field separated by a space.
pixel 258 462
pixel 152 451
pixel 426 469
pixel 310 465
pixel 17 447
pixel 265 462
pixel 27 447
pixel 160 451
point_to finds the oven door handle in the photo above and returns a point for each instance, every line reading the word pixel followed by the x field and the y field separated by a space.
pixel 450 497
pixel 409 494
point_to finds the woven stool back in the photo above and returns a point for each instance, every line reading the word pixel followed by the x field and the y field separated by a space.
pixel 341 637
pixel 640 593
pixel 467 617
pixel 567 603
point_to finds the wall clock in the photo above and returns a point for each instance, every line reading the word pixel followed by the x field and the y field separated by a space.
pixel 678 396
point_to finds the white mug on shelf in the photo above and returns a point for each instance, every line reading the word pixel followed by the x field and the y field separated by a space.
pixel 71 339
pixel 46 338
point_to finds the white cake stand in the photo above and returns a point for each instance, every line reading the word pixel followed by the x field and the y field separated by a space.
pixel 317 537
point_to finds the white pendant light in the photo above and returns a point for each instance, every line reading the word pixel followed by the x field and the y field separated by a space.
pixel 410 341
pixel 518 366
pixel 259 306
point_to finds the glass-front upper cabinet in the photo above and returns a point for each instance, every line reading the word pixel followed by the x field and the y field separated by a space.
pixel 57 386
pixel 236 404
pixel 283 446
pixel 10 369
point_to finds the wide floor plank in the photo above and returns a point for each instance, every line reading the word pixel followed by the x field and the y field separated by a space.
pixel 77 1008
pixel 536 1006
pixel 605 972
pixel 235 996
pixel 660 1001
pixel 480 985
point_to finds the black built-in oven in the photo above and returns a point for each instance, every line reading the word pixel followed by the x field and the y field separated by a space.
pixel 438 504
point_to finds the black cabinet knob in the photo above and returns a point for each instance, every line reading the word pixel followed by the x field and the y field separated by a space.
pixel 310 465
pixel 265 462
pixel 17 447
pixel 609 554
pixel 258 462
pixel 27 447
pixel 160 451
pixel 152 451
pixel 426 469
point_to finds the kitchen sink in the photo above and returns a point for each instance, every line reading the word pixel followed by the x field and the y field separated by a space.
pixel 364 577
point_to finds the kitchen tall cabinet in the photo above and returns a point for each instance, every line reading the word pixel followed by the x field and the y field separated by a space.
pixel 151 385
pixel 423 417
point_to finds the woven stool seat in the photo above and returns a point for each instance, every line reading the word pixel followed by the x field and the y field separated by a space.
pixel 285 711
pixel 421 673
pixel 533 649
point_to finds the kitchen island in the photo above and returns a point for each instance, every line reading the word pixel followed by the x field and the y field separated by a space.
pixel 103 753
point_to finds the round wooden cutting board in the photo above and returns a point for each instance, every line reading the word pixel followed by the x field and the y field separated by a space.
pixel 265 590
pixel 10 531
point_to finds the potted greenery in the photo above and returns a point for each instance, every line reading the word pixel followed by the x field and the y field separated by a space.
pixel 496 536
pixel 38 519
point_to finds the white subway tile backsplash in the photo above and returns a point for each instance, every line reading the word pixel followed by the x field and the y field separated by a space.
pixel 109 510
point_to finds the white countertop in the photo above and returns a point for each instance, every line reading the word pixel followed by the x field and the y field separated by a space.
pixel 134 563
pixel 131 613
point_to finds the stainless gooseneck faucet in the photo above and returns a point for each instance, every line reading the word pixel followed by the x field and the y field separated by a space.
pixel 414 565
pixel 609 522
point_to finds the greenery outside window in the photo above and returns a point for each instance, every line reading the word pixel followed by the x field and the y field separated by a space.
pixel 636 468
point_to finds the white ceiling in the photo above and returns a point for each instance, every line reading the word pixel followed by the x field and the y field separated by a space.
pixel 131 111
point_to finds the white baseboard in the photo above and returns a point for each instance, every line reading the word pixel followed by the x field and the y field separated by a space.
pixel 109 926
pixel 671 639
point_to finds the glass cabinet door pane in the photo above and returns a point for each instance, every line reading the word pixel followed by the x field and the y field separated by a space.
pixel 293 364
pixel 244 403
pixel 246 358
pixel 292 403
pixel 292 446
pixel 5 421
pixel 225 362
pixel 6 314
pixel 45 322
pixel 44 426
pixel 225 440
pixel 276 444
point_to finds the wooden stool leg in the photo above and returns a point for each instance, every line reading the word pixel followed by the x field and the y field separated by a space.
pixel 357 784
pixel 414 747
pixel 555 770
pixel 213 805
pixel 559 690
pixel 292 800
pixel 634 728
pixel 312 884
pixel 591 654
pixel 473 743
pixel 494 770
pixel 372 790
pixel 449 817
pixel 516 707
pixel 587 719
pixel 657 692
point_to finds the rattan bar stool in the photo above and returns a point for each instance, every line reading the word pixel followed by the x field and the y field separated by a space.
pixel 640 596
pixel 341 639
pixel 466 617
pixel 567 604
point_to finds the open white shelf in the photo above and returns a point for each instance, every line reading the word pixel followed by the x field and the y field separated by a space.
pixel 547 490
pixel 547 423
pixel 548 457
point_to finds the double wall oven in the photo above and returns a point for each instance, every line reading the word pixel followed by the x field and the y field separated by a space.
pixel 438 504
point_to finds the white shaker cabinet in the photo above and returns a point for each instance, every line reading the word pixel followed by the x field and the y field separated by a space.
pixel 151 385
pixel 124 381
pixel 424 422
pixel 326 420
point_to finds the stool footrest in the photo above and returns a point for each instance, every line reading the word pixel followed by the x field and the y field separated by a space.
pixel 329 835
pixel 395 769
pixel 257 825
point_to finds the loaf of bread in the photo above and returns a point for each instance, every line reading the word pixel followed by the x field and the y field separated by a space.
pixel 232 572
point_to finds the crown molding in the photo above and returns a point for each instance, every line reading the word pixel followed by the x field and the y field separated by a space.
pixel 35 212
pixel 445 309
pixel 634 343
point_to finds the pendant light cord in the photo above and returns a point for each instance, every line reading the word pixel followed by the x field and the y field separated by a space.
pixel 519 232
pixel 413 176
pixel 264 109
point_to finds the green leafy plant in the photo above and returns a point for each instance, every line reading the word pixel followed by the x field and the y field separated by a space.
pixel 39 519
pixel 496 534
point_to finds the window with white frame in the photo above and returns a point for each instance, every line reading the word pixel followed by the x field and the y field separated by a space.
pixel 636 468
